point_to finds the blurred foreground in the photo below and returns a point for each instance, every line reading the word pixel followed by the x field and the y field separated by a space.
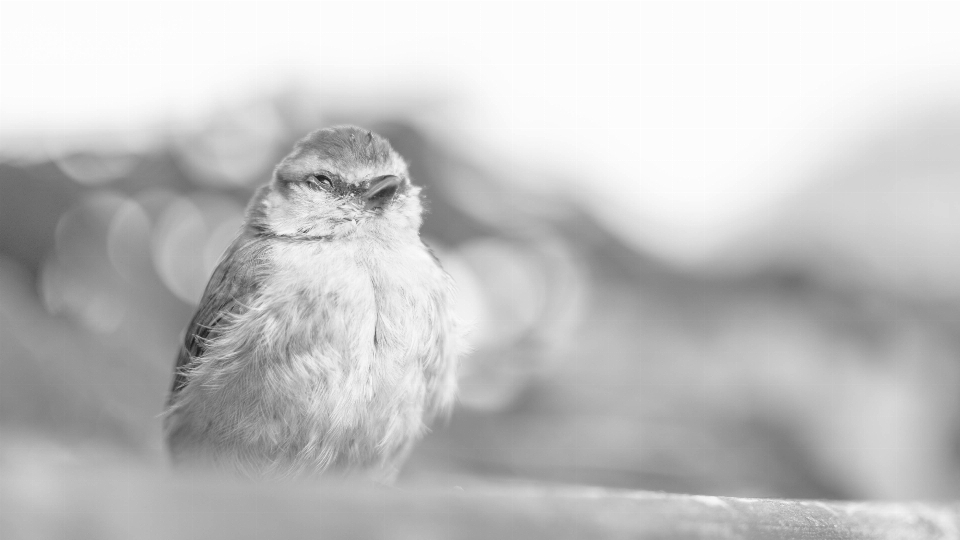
pixel 819 358
pixel 55 502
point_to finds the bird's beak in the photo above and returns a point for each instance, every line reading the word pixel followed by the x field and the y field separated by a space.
pixel 381 191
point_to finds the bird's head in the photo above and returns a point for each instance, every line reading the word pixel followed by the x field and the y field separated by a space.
pixel 335 183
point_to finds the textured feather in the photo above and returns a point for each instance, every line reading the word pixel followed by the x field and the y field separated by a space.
pixel 233 283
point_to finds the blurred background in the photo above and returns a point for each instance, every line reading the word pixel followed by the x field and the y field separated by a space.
pixel 704 247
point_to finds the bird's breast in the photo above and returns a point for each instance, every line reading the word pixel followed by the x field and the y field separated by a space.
pixel 365 318
pixel 368 300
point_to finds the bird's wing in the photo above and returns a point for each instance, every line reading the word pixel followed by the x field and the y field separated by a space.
pixel 234 282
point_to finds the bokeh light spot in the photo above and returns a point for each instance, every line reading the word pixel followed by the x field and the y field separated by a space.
pixel 178 242
pixel 128 240
pixel 96 169
pixel 236 150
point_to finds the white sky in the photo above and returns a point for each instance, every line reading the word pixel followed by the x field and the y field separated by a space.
pixel 685 120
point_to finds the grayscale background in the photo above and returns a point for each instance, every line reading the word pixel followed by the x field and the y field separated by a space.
pixel 709 248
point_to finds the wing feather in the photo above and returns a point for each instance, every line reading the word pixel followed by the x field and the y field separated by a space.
pixel 233 284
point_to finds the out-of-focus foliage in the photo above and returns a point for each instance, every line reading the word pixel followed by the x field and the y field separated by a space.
pixel 594 363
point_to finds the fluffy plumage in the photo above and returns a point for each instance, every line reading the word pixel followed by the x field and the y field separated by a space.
pixel 325 340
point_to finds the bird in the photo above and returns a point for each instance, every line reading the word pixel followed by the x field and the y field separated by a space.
pixel 326 340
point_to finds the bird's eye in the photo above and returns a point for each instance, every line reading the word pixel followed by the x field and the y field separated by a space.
pixel 321 181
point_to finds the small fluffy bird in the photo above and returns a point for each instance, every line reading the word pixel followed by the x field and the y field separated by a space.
pixel 326 338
